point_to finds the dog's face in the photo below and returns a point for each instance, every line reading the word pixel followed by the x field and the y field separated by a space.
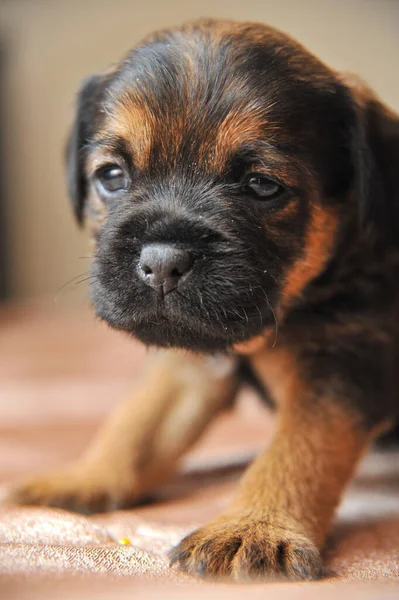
pixel 214 165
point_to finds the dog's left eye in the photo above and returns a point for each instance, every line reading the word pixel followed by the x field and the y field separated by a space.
pixel 262 187
pixel 112 178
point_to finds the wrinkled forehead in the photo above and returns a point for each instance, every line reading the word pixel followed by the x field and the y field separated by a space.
pixel 197 105
pixel 198 100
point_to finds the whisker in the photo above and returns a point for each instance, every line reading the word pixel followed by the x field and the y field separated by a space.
pixel 85 279
pixel 260 314
pixel 275 320
pixel 74 282
pixel 71 281
pixel 270 275
pixel 274 315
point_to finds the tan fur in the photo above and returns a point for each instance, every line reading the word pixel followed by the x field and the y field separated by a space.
pixel 319 244
pixel 138 448
pixel 279 518
pixel 316 447
pixel 132 122
pixel 246 124
pixel 287 497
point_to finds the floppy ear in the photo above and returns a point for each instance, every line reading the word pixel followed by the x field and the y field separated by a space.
pixel 87 111
pixel 377 158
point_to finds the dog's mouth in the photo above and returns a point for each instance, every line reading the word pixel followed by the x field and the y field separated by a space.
pixel 194 336
pixel 182 285
pixel 191 318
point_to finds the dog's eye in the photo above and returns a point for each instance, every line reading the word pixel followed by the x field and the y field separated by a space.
pixel 262 187
pixel 112 178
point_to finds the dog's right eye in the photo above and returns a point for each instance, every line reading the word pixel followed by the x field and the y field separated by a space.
pixel 112 178
pixel 262 187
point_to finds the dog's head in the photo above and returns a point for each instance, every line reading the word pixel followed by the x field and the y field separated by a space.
pixel 216 164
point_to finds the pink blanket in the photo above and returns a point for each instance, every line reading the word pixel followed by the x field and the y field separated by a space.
pixel 60 373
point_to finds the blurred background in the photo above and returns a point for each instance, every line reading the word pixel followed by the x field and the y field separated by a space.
pixel 61 370
pixel 48 46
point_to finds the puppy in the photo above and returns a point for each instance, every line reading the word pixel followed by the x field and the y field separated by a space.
pixel 243 202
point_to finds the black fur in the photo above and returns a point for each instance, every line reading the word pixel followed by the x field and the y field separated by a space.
pixel 87 112
pixel 334 150
pixel 179 199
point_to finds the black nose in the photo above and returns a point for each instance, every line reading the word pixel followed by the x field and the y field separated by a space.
pixel 162 266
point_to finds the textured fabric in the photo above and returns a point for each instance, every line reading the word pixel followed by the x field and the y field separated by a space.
pixel 60 373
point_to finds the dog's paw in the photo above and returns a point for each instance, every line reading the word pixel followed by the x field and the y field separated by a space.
pixel 247 550
pixel 70 490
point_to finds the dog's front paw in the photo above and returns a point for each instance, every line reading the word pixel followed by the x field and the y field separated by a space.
pixel 247 550
pixel 73 490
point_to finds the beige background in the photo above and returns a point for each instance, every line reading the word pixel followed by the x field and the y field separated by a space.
pixel 51 45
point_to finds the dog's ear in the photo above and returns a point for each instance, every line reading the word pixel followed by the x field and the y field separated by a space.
pixel 88 108
pixel 376 147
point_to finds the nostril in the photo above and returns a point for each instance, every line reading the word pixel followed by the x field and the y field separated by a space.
pixel 182 262
pixel 147 270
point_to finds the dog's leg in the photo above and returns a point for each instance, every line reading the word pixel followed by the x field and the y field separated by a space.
pixel 279 518
pixel 138 448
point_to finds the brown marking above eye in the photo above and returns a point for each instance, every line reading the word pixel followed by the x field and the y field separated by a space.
pixel 134 124
pixel 243 136
pixel 143 117
pixel 186 117
pixel 242 126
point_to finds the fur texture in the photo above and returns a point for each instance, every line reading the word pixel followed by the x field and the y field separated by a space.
pixel 298 289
